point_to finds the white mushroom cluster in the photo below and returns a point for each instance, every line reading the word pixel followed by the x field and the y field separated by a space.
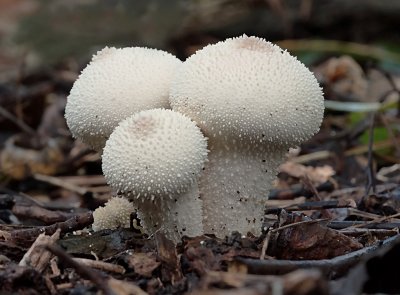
pixel 115 214
pixel 251 99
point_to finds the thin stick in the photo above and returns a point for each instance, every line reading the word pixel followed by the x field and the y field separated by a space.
pixel 370 169
pixel 95 277
pixel 25 236
pixel 332 268
pixel 60 183
pixel 101 265
pixel 318 205
pixel 378 220
pixel 265 245
pixel 21 124
pixel 362 224
pixel 297 223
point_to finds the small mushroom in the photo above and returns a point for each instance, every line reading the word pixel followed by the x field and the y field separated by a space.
pixel 154 157
pixel 253 101
pixel 117 83
pixel 115 214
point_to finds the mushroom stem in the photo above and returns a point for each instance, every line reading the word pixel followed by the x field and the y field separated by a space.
pixel 235 185
pixel 169 218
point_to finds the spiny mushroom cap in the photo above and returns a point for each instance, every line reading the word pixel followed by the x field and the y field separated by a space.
pixel 116 213
pixel 248 88
pixel 154 153
pixel 116 84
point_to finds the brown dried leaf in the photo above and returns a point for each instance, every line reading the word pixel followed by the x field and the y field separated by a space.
pixel 201 260
pixel 317 175
pixel 312 241
pixel 143 263
pixel 343 76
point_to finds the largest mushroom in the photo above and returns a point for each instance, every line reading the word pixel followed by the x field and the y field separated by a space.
pixel 253 101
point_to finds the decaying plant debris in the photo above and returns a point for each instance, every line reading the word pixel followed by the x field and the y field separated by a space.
pixel 332 220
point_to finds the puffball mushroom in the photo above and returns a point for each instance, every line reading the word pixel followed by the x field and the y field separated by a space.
pixel 117 83
pixel 253 101
pixel 155 157
pixel 115 213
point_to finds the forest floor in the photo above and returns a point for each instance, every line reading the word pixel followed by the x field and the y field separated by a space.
pixel 332 219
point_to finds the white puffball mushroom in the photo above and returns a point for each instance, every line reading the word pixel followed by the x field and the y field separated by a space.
pixel 253 101
pixel 155 157
pixel 117 83
pixel 115 214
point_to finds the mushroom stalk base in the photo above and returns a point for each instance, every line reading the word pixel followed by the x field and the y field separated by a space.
pixel 234 186
pixel 178 216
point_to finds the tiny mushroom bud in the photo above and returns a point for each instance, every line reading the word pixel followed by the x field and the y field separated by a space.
pixel 116 84
pixel 155 157
pixel 115 214
pixel 253 101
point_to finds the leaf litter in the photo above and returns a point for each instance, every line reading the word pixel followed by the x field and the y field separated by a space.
pixel 331 224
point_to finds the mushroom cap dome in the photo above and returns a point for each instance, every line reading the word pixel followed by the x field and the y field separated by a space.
pixel 246 88
pixel 154 153
pixel 115 84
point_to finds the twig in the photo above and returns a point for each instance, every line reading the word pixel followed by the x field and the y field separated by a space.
pixel 370 169
pixel 381 188
pixel 318 205
pixel 332 268
pixel 21 124
pixel 60 183
pixel 379 233
pixel 37 257
pixel 101 265
pixel 362 224
pixel 84 180
pixel 265 245
pixel 95 277
pixel 315 156
pixel 378 220
pixel 294 192
pixel 26 236
pixel 296 224
pixel 40 213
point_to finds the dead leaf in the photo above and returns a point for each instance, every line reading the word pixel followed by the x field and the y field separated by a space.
pixel 317 175
pixel 143 263
pixel 343 77
pixel 311 241
pixel 201 260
